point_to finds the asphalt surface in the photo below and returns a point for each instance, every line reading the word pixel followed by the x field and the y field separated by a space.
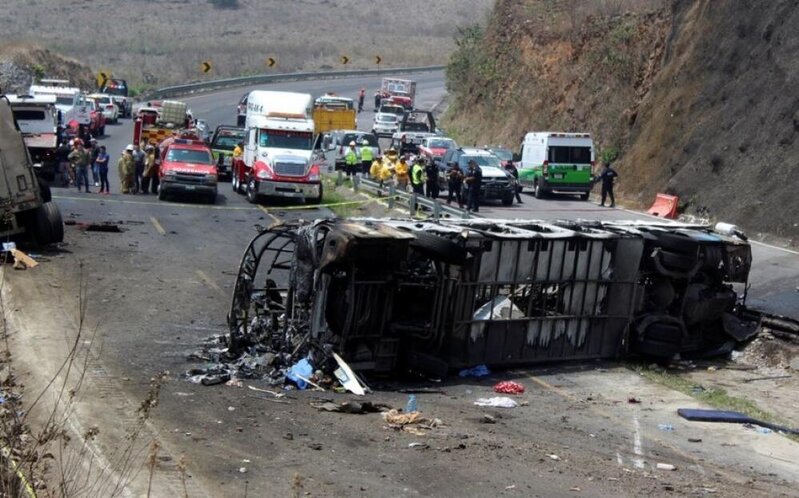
pixel 162 286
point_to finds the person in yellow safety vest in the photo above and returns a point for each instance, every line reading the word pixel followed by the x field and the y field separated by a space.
pixel 238 150
pixel 375 167
pixel 417 177
pixel 402 174
pixel 386 172
pixel 351 159
pixel 367 155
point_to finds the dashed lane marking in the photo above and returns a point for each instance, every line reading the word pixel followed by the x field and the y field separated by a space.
pixel 157 225
pixel 209 282
pixel 274 218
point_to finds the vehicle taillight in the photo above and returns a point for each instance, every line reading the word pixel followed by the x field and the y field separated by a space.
pixel 546 168
pixel 315 174
pixel 109 106
pixel 593 164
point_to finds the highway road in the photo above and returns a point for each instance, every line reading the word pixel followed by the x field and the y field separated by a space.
pixel 162 286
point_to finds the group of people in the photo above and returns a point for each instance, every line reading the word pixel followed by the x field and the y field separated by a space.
pixel 138 172
pixel 422 178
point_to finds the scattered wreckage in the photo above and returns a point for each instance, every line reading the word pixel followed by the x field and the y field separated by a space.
pixel 392 295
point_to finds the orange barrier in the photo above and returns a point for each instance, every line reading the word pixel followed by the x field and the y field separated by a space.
pixel 665 206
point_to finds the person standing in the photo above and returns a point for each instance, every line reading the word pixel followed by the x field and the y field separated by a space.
pixel 367 155
pixel 138 161
pixel 378 98
pixel 473 179
pixel 374 169
pixel 101 165
pixel 93 149
pixel 511 168
pixel 417 177
pixel 361 96
pixel 431 186
pixel 401 170
pixel 150 172
pixel 62 154
pixel 127 168
pixel 607 177
pixel 454 184
pixel 80 159
pixel 351 159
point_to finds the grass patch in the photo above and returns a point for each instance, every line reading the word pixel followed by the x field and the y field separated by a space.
pixel 714 396
pixel 333 195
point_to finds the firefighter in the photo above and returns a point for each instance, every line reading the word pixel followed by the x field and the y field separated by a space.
pixel 351 159
pixel 150 175
pixel 473 179
pixel 238 151
pixel 418 176
pixel 386 173
pixel 367 155
pixel 126 168
pixel 401 170
pixel 454 184
pixel 375 167
pixel 607 177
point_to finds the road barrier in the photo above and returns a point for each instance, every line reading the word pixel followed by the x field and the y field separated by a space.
pixel 665 206
pixel 413 202
pixel 258 79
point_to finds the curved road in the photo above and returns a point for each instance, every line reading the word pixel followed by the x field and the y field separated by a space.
pixel 157 290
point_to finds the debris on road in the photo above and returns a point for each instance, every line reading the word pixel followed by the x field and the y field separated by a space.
pixel 478 371
pixel 22 261
pixel 488 419
pixel 666 427
pixel 414 422
pixel 509 387
pixel 497 402
pixel 665 466
pixel 702 415
pixel 356 407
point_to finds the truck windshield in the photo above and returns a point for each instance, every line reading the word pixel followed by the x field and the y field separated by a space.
pixel 29 115
pixel 188 156
pixel 570 155
pixel 298 140
pixel 352 137
pixel 440 143
pixel 65 100
pixel 481 160
pixel 227 141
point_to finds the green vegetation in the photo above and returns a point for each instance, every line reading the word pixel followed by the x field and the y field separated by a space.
pixel 715 396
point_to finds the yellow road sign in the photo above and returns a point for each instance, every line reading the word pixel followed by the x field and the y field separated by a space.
pixel 345 60
pixel 270 62
pixel 378 59
pixel 102 78
pixel 205 66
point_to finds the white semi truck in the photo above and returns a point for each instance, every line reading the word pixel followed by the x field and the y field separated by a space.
pixel 278 159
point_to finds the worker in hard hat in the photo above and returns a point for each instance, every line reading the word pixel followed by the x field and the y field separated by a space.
pixel 401 170
pixel 367 156
pixel 351 159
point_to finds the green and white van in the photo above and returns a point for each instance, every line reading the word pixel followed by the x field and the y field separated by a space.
pixel 557 162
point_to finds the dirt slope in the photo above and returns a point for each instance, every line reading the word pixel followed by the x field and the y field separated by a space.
pixel 20 64
pixel 697 98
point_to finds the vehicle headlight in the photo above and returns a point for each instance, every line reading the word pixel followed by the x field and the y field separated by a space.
pixel 170 175
pixel 264 174
pixel 210 178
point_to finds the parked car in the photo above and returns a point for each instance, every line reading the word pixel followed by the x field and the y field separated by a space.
pixel 414 127
pixel 497 183
pixel 336 142
pixel 385 124
pixel 119 89
pixel 434 148
pixel 108 106
pixel 225 139
pixel 187 167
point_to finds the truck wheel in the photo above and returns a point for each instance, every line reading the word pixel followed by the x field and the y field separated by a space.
pixel 46 226
pixel 44 190
pixel 317 200
pixel 234 182
pixel 161 193
pixel 252 191
pixel 538 191
pixel 584 196
pixel 212 198
pixel 507 201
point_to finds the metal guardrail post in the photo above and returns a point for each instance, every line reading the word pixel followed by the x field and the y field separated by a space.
pixel 356 181
pixel 340 178
pixel 392 193
pixel 412 204
pixel 436 210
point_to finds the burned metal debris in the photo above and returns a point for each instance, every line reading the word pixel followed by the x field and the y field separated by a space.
pixel 391 294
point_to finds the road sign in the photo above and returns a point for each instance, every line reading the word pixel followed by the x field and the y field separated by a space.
pixel 102 78
pixel 345 60
pixel 378 59
pixel 205 67
pixel 270 62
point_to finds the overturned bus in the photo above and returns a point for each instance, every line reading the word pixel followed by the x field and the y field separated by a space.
pixel 434 296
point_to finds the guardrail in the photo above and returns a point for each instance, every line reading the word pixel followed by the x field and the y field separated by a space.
pixel 202 86
pixel 411 201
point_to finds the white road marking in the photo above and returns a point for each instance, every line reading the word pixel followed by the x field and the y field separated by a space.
pixel 637 445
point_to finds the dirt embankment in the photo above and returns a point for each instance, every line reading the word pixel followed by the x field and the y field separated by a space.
pixel 21 64
pixel 696 98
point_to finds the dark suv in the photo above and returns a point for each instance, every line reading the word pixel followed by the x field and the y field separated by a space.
pixel 497 183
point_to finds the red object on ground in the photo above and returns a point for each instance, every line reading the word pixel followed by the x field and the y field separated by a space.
pixel 665 206
pixel 509 387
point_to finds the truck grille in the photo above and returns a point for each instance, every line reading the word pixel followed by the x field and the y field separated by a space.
pixel 190 178
pixel 290 169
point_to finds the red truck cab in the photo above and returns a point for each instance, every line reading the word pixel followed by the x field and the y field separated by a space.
pixel 187 167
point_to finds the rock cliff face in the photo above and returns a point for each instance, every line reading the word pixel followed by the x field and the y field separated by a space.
pixel 696 97
pixel 20 64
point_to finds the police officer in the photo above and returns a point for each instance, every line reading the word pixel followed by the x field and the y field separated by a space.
pixel 511 168
pixel 417 177
pixel 607 177
pixel 367 156
pixel 454 184
pixel 431 170
pixel 474 179
pixel 351 159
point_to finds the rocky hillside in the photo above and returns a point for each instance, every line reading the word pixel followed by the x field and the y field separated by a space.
pixel 695 97
pixel 20 64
